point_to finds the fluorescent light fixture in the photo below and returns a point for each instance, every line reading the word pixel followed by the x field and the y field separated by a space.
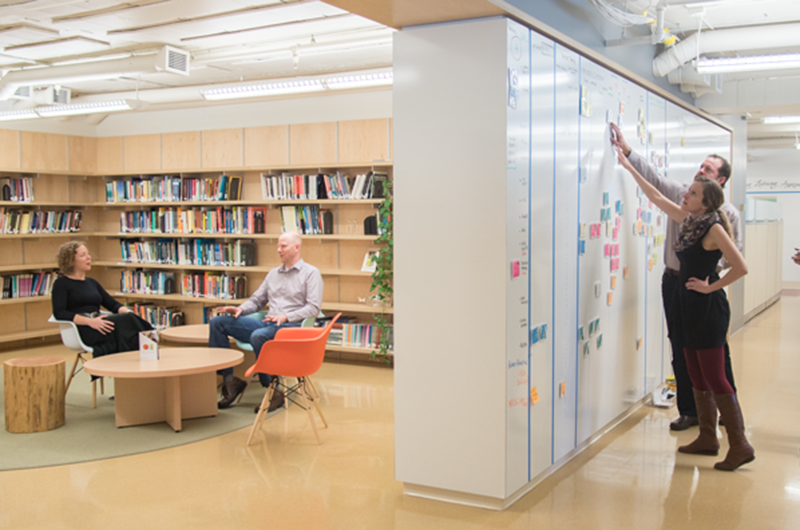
pixel 779 120
pixel 748 64
pixel 27 114
pixel 263 89
pixel 340 82
pixel 360 80
pixel 97 107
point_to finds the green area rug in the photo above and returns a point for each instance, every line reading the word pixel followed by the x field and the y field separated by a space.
pixel 90 434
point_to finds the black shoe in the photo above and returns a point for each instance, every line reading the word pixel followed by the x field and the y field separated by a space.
pixel 683 423
pixel 231 391
pixel 275 403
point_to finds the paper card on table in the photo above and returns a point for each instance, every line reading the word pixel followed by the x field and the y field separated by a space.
pixel 534 396
pixel 562 388
pixel 148 345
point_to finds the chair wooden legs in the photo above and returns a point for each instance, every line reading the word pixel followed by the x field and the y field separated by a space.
pixel 94 394
pixel 78 358
pixel 262 410
pixel 303 383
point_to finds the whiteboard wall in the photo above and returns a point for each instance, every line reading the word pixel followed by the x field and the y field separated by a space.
pixel 582 332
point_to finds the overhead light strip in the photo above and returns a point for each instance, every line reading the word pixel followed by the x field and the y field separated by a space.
pixel 9 115
pixel 99 107
pixel 780 120
pixel 751 63
pixel 340 82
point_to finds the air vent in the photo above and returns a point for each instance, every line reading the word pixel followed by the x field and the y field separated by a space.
pixel 173 60
pixel 23 92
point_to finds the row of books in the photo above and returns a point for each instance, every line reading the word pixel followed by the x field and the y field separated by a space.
pixel 214 285
pixel 28 284
pixel 366 336
pixel 204 252
pixel 312 187
pixel 309 219
pixel 170 188
pixel 159 317
pixel 17 189
pixel 147 282
pixel 39 222
pixel 197 220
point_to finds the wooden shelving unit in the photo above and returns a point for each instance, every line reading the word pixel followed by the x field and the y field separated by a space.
pixel 71 173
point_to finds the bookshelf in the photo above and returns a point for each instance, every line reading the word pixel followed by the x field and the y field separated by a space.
pixel 78 176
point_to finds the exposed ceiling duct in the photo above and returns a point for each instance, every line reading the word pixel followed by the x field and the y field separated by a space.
pixel 167 60
pixel 725 40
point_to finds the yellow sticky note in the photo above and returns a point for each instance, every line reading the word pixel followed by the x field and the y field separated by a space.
pixel 610 298
pixel 534 396
pixel 562 389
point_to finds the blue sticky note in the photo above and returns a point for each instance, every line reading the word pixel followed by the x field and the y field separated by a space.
pixel 534 336
pixel 543 331
pixel 583 247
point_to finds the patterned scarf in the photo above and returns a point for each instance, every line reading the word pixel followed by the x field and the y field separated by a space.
pixel 694 229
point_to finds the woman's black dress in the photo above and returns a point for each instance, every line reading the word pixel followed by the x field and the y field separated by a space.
pixel 705 316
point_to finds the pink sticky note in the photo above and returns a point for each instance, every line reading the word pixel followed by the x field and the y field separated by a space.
pixel 515 269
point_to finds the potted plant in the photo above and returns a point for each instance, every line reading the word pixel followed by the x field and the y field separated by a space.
pixel 383 276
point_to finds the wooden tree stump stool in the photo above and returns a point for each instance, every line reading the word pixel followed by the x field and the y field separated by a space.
pixel 34 394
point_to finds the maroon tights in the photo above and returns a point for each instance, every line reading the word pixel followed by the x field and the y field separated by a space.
pixel 707 370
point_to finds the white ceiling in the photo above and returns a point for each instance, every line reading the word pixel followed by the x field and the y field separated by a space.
pixel 229 40
pixel 241 40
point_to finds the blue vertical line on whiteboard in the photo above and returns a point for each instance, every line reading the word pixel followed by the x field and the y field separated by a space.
pixel 646 268
pixel 553 282
pixel 578 257
pixel 530 216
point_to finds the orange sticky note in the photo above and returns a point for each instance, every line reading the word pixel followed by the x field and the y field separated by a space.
pixel 613 282
pixel 625 272
pixel 639 226
pixel 651 264
pixel 534 396
pixel 638 343
pixel 610 298
pixel 563 389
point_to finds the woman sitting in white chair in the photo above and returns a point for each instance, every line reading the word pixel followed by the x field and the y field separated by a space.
pixel 78 298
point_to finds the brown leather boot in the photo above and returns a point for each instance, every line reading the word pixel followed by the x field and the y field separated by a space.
pixel 706 442
pixel 230 391
pixel 740 451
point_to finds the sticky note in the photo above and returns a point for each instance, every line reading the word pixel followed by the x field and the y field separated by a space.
pixel 638 343
pixel 586 349
pixel 597 289
pixel 639 225
pixel 582 247
pixel 625 273
pixel 515 269
pixel 607 250
pixel 600 341
pixel 583 230
pixel 613 282
pixel 581 334
pixel 610 298
pixel 650 265
pixel 543 332
pixel 562 388
pixel 534 336
pixel 534 396
pixel 591 328
pixel 605 198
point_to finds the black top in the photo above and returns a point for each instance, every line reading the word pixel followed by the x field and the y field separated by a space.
pixel 705 317
pixel 71 297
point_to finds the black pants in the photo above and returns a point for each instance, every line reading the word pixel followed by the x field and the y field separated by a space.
pixel 670 289
pixel 125 336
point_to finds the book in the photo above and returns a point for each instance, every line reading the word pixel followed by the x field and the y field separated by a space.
pixel 234 192
pixel 370 261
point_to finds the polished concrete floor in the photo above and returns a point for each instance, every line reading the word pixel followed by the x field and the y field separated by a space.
pixel 631 479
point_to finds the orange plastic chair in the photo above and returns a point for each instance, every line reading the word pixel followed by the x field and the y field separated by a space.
pixel 294 352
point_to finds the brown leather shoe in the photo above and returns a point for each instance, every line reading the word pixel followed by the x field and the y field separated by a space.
pixel 275 403
pixel 683 423
pixel 231 391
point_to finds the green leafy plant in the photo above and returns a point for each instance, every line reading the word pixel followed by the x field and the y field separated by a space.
pixel 383 277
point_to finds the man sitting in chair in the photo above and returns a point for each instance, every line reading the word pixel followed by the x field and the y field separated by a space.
pixel 294 293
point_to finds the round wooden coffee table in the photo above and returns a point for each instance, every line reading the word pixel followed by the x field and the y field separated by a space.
pixel 189 334
pixel 182 384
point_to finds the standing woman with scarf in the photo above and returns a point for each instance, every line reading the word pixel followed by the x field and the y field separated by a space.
pixel 705 236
